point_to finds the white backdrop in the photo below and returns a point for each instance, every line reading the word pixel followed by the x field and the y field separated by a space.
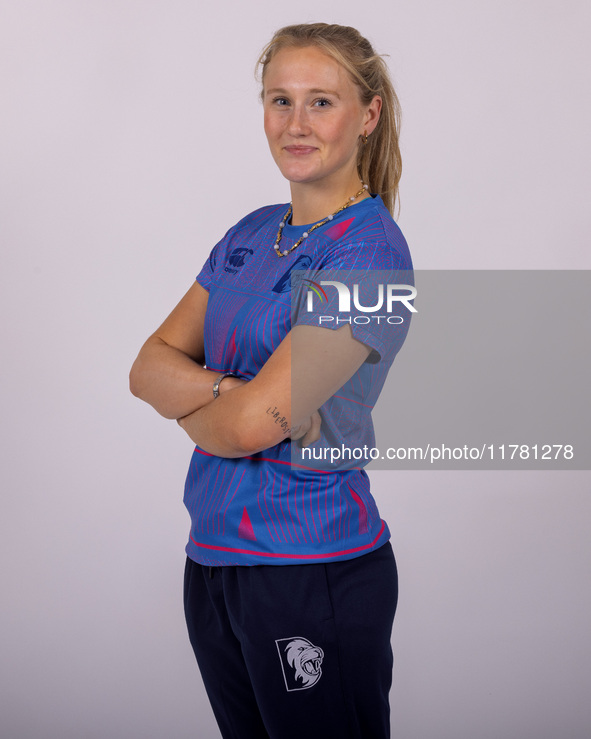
pixel 130 140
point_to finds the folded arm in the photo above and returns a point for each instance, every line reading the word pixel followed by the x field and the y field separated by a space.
pixel 282 400
pixel 168 372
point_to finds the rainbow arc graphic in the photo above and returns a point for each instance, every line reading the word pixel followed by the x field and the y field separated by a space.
pixel 318 289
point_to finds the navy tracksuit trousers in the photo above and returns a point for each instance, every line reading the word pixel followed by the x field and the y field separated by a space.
pixel 296 651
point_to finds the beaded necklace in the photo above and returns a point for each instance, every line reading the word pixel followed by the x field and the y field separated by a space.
pixel 305 235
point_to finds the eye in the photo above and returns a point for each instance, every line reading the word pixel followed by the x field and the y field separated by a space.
pixel 322 103
pixel 280 101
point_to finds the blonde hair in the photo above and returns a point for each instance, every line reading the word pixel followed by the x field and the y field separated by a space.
pixel 379 162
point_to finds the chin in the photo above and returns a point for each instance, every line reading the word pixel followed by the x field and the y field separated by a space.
pixel 298 171
pixel 299 177
pixel 301 180
pixel 295 173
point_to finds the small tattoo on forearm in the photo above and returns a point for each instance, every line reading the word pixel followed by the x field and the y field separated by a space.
pixel 279 419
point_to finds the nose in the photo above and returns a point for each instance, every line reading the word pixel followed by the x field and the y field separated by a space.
pixel 299 122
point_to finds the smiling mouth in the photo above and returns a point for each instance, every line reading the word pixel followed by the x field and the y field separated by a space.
pixel 299 150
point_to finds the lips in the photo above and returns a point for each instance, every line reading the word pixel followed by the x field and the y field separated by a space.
pixel 300 150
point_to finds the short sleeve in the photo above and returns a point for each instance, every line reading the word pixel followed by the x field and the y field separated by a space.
pixel 365 286
pixel 205 277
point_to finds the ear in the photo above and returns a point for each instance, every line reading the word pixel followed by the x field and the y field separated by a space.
pixel 372 115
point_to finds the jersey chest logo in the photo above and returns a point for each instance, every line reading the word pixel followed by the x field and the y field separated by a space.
pixel 237 259
pixel 283 284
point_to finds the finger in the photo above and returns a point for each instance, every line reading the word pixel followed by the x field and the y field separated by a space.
pixel 302 429
pixel 313 433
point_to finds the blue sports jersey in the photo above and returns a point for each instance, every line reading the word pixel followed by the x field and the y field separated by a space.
pixel 262 509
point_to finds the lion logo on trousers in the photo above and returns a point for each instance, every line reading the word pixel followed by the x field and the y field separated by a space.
pixel 300 661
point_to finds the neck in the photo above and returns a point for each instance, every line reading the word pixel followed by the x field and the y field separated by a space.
pixel 312 202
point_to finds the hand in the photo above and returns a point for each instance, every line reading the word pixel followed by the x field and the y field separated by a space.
pixel 309 431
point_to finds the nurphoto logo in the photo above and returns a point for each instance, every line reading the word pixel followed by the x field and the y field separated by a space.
pixel 388 297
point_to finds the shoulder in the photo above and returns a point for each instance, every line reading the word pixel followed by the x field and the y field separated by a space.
pixel 260 218
pixel 240 241
pixel 369 238
pixel 253 228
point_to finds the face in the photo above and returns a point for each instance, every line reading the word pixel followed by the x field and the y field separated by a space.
pixel 314 117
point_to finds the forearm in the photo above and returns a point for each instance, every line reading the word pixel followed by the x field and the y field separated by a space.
pixel 170 381
pixel 258 415
pixel 236 424
pixel 223 439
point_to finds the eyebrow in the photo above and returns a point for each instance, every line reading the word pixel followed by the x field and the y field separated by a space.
pixel 314 91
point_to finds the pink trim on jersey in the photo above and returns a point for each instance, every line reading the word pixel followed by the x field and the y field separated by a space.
pixel 350 400
pixel 245 530
pixel 339 229
pixel 277 555
pixel 362 511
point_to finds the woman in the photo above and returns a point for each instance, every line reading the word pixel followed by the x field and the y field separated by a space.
pixel 290 582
